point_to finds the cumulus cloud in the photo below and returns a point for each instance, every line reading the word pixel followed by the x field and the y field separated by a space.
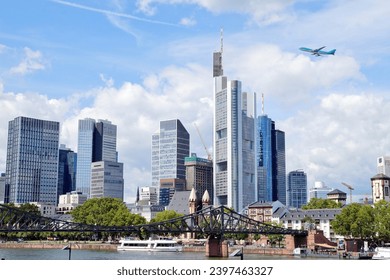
pixel 339 139
pixel 289 77
pixel 31 62
pixel 188 21
pixel 136 109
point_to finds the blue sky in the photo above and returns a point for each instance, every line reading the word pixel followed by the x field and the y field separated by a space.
pixel 139 62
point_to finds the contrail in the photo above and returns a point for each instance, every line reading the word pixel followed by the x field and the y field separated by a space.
pixel 106 12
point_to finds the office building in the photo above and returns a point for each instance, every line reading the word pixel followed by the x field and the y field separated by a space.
pixel 320 190
pixel 234 161
pixel 107 180
pixel 297 189
pixel 271 161
pixel 169 148
pixel 67 160
pixel 148 196
pixel 2 188
pixel 199 175
pixel 96 143
pixel 32 161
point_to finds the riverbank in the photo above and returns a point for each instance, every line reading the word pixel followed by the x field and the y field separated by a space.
pixel 77 245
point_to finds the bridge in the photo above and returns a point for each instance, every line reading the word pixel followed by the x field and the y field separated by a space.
pixel 211 222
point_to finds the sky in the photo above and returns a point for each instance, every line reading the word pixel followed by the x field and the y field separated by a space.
pixel 138 62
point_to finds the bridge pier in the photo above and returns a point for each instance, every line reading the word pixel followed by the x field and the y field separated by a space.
pixel 217 247
pixel 294 241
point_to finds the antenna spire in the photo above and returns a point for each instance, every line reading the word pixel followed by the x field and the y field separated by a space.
pixel 221 40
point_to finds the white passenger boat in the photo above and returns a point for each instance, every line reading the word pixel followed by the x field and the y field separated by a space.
pixel 382 253
pixel 159 245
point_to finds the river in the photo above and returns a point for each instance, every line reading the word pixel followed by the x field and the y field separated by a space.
pixel 58 254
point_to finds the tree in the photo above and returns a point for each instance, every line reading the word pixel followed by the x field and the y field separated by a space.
pixel 355 220
pixel 165 216
pixel 382 220
pixel 320 203
pixel 105 212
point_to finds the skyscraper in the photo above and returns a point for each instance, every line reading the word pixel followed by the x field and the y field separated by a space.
pixel 107 180
pixel 67 160
pixel 234 141
pixel 297 189
pixel 169 148
pixel 96 142
pixel 271 161
pixel 199 175
pixel 32 160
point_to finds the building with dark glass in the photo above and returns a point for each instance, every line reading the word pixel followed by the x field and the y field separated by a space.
pixel 32 161
pixel 297 188
pixel 271 161
pixel 67 164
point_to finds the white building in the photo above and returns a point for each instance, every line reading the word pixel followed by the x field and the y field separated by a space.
pixel 46 209
pixel 234 158
pixel 69 201
pixel 321 220
pixel 148 196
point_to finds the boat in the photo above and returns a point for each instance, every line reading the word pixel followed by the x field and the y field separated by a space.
pixel 155 245
pixel 382 253
pixel 300 251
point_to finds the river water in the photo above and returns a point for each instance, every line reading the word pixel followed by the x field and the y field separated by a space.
pixel 58 254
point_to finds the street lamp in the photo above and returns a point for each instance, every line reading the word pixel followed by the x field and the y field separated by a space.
pixel 69 248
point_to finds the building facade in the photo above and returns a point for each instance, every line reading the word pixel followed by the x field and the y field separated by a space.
pixel 380 185
pixel 234 162
pixel 199 175
pixel 32 161
pixel 320 190
pixel 107 180
pixel 383 165
pixel 297 189
pixel 67 202
pixel 271 161
pixel 67 160
pixel 170 146
pixel 96 142
pixel 2 188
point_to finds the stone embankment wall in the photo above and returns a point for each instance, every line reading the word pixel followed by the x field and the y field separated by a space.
pixel 59 245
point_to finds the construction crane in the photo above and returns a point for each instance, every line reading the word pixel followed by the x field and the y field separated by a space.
pixel 350 191
pixel 209 157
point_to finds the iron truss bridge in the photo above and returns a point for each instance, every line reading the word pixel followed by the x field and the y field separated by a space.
pixel 210 221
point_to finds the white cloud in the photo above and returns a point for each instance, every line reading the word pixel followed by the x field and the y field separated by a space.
pixel 135 108
pixel 289 77
pixel 32 61
pixel 339 139
pixel 261 11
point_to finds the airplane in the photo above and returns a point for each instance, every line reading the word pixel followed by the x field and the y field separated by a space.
pixel 318 52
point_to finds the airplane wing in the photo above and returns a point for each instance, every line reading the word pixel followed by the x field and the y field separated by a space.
pixel 317 50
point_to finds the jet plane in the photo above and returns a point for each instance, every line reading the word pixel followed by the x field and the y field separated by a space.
pixel 318 52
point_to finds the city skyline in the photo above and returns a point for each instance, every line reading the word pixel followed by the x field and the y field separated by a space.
pixel 136 63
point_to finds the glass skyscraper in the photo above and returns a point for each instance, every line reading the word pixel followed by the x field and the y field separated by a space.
pixel 170 146
pixel 234 141
pixel 66 170
pixel 32 161
pixel 96 142
pixel 271 161
pixel 297 189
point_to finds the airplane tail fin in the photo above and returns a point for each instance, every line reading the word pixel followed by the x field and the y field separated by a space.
pixel 332 51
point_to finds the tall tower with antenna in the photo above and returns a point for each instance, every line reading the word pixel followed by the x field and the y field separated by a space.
pixel 234 147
